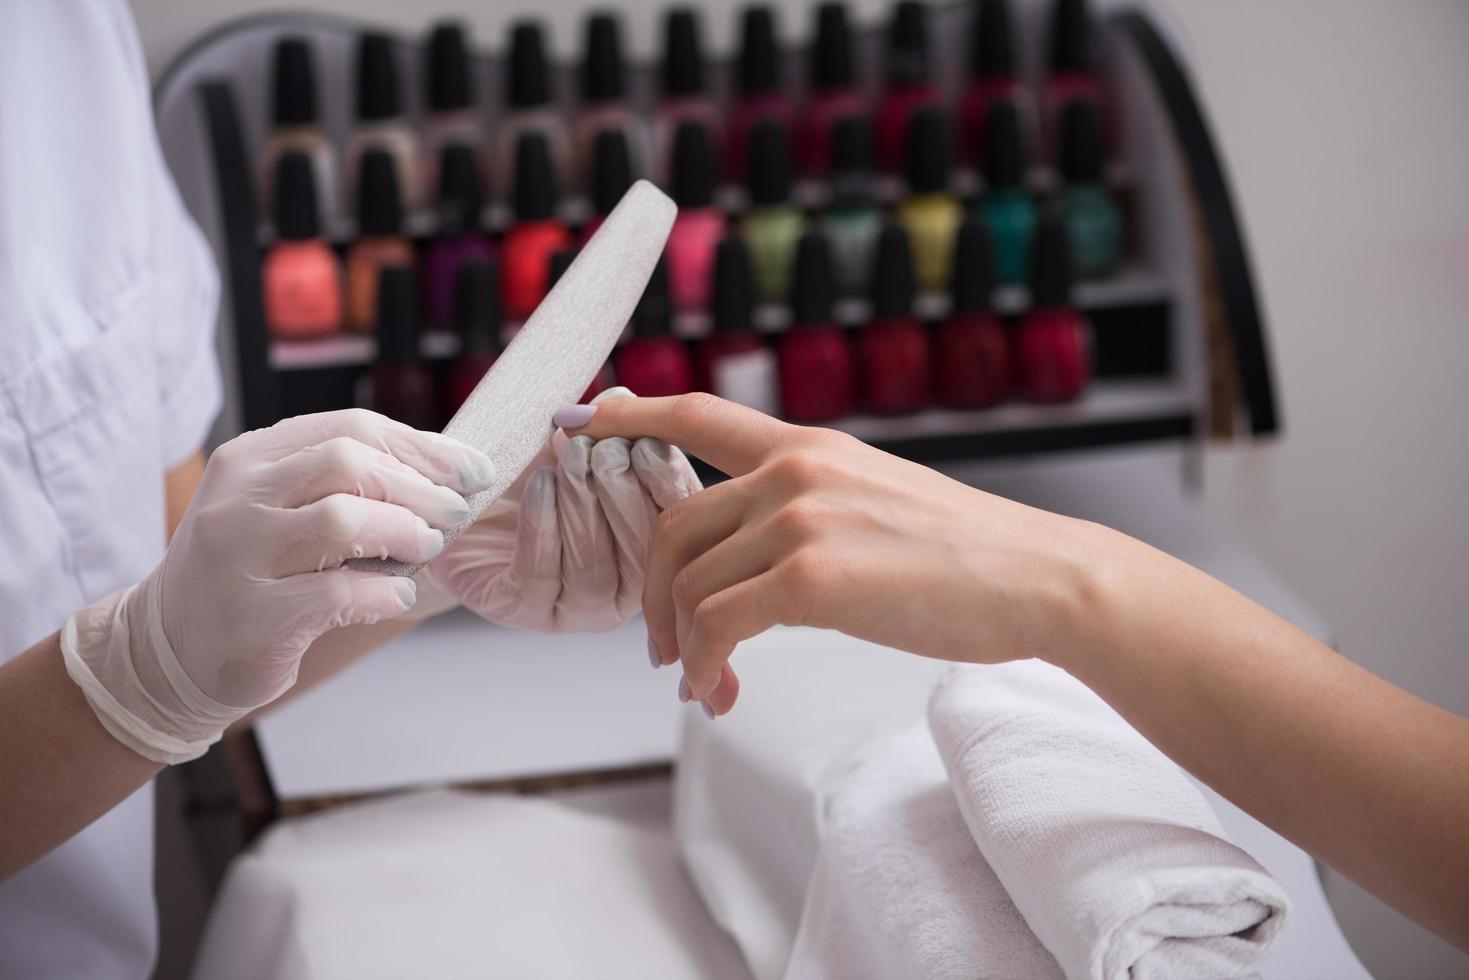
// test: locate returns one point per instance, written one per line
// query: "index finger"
(725, 435)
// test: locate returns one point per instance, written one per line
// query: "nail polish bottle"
(604, 101)
(611, 177)
(992, 76)
(449, 84)
(301, 278)
(296, 124)
(537, 233)
(734, 361)
(1071, 74)
(459, 236)
(685, 90)
(893, 348)
(971, 352)
(1005, 206)
(380, 240)
(402, 387)
(381, 123)
(1092, 218)
(760, 95)
(817, 379)
(477, 318)
(833, 94)
(699, 224)
(654, 363)
(773, 225)
(529, 107)
(930, 212)
(1053, 342)
(852, 220)
(909, 83)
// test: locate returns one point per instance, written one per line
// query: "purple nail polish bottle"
(460, 239)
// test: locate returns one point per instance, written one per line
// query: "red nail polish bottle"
(699, 225)
(910, 84)
(971, 352)
(1071, 75)
(734, 362)
(893, 349)
(477, 316)
(654, 362)
(537, 233)
(992, 76)
(833, 95)
(402, 387)
(301, 278)
(816, 374)
(761, 95)
(1053, 343)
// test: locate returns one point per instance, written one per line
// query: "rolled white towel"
(1115, 860)
(899, 889)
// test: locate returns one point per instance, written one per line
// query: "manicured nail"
(684, 694)
(477, 471)
(653, 657)
(430, 542)
(573, 416)
(708, 711)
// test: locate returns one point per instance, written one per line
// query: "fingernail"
(684, 694)
(477, 472)
(430, 542)
(407, 591)
(708, 711)
(573, 416)
(616, 391)
(653, 657)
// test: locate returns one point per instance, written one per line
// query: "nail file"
(558, 352)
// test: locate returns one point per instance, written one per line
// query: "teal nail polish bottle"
(1006, 207)
(852, 221)
(774, 225)
(1093, 221)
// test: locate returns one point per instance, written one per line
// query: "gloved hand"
(565, 549)
(252, 575)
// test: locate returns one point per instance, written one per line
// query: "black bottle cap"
(293, 83)
(770, 164)
(1071, 36)
(1004, 155)
(907, 48)
(611, 170)
(397, 314)
(653, 316)
(527, 74)
(477, 311)
(459, 196)
(1081, 143)
(295, 198)
(928, 151)
(535, 178)
(759, 52)
(379, 211)
(557, 265)
(602, 72)
(693, 166)
(1050, 262)
(991, 50)
(973, 275)
(734, 286)
(683, 54)
(892, 274)
(378, 96)
(832, 66)
(450, 85)
(811, 285)
(851, 157)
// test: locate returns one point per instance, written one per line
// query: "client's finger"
(726, 618)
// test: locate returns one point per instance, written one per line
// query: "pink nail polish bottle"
(817, 379)
(301, 278)
(604, 101)
(834, 94)
(699, 225)
(760, 95)
(381, 122)
(529, 108)
(538, 232)
(1053, 341)
(452, 118)
(297, 124)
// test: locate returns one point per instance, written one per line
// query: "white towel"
(1115, 860)
(899, 888)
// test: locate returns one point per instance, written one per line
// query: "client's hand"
(819, 529)
(565, 548)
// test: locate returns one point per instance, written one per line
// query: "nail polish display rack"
(1179, 339)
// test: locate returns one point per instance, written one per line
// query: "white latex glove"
(252, 575)
(565, 549)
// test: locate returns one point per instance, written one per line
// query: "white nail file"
(559, 351)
